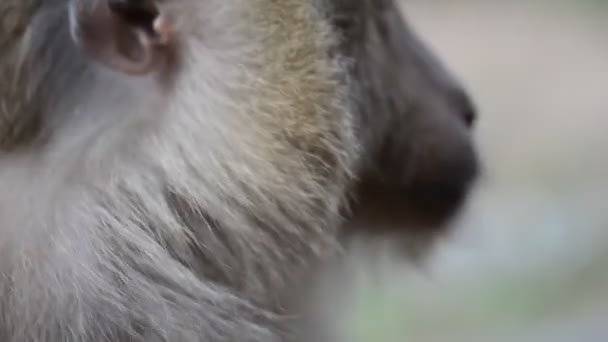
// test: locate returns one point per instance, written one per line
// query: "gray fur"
(183, 205)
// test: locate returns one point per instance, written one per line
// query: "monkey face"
(439, 154)
(417, 120)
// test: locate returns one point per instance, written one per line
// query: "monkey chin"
(413, 216)
(433, 205)
(422, 208)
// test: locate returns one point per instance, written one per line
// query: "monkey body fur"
(216, 181)
(179, 205)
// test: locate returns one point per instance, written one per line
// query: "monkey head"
(168, 168)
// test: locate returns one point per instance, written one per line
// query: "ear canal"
(136, 13)
(121, 34)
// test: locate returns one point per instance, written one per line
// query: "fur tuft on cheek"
(19, 115)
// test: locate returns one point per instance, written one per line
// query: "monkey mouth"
(436, 203)
(427, 204)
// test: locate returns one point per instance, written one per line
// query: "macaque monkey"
(169, 168)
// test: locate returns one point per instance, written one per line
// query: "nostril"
(469, 115)
(465, 108)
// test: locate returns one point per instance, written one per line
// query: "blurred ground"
(529, 261)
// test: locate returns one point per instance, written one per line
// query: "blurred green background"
(529, 260)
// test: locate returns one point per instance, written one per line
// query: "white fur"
(88, 228)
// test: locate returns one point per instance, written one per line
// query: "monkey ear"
(125, 35)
